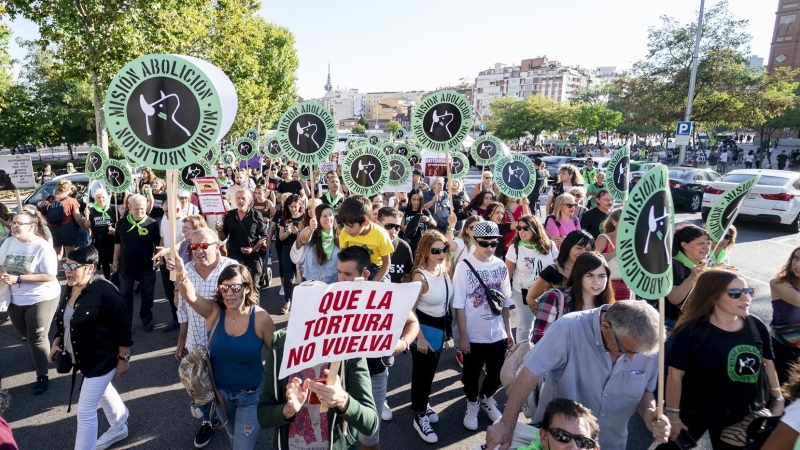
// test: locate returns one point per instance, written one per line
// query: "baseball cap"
(182, 193)
(417, 172)
(485, 229)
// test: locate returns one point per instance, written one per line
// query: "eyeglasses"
(439, 250)
(619, 345)
(565, 437)
(523, 228)
(737, 293)
(71, 266)
(488, 178)
(485, 244)
(570, 205)
(203, 245)
(19, 224)
(391, 226)
(233, 287)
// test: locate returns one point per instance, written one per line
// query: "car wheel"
(704, 215)
(696, 202)
(794, 226)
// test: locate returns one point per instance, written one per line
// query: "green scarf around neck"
(103, 212)
(142, 231)
(720, 257)
(685, 260)
(527, 245)
(327, 242)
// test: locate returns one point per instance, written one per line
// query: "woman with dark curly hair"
(239, 330)
(289, 226)
(785, 291)
(321, 239)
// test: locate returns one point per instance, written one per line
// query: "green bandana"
(142, 231)
(327, 242)
(525, 244)
(335, 201)
(685, 260)
(104, 212)
(722, 255)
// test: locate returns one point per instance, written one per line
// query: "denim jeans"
(98, 391)
(379, 383)
(242, 426)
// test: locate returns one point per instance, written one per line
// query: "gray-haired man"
(604, 358)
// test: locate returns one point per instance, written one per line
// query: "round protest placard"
(94, 163)
(165, 111)
(401, 149)
(399, 170)
(251, 134)
(486, 149)
(618, 174)
(212, 155)
(228, 158)
(388, 148)
(192, 171)
(117, 176)
(727, 207)
(400, 134)
(361, 142)
(442, 121)
(272, 149)
(373, 139)
(350, 143)
(304, 173)
(459, 165)
(514, 175)
(644, 239)
(246, 148)
(307, 133)
(366, 170)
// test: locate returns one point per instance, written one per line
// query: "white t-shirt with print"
(482, 326)
(24, 258)
(529, 263)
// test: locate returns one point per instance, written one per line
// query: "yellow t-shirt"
(376, 243)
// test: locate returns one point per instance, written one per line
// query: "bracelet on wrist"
(672, 410)
(778, 399)
(677, 421)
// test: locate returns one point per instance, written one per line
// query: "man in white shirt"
(723, 162)
(240, 182)
(485, 336)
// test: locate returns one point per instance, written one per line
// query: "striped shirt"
(206, 288)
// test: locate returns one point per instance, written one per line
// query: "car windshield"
(764, 181)
(553, 159)
(677, 174)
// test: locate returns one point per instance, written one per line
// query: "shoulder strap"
(553, 217)
(609, 240)
(476, 274)
(214, 328)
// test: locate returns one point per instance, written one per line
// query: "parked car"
(86, 186)
(599, 162)
(774, 199)
(533, 155)
(687, 186)
(552, 163)
(638, 168)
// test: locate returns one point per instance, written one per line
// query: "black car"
(687, 186)
(552, 164)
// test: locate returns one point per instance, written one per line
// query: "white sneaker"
(112, 436)
(196, 413)
(281, 292)
(489, 406)
(386, 413)
(471, 417)
(432, 416)
(423, 427)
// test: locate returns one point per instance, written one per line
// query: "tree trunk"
(69, 147)
(99, 114)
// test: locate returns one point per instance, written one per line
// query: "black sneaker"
(148, 324)
(41, 385)
(423, 427)
(204, 435)
(174, 325)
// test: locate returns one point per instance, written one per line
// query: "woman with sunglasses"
(239, 329)
(690, 248)
(321, 239)
(94, 333)
(464, 244)
(563, 221)
(568, 176)
(496, 213)
(29, 266)
(718, 354)
(580, 199)
(587, 287)
(477, 206)
(785, 292)
(529, 253)
(723, 249)
(486, 184)
(515, 208)
(418, 219)
(556, 274)
(431, 267)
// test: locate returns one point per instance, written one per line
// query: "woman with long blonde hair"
(564, 220)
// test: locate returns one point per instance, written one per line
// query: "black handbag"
(494, 298)
(64, 363)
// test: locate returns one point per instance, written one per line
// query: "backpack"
(53, 211)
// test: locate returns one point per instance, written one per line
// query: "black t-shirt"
(375, 366)
(592, 221)
(552, 275)
(243, 233)
(98, 224)
(782, 158)
(294, 187)
(281, 224)
(137, 250)
(334, 200)
(158, 205)
(721, 367)
(679, 274)
(402, 261)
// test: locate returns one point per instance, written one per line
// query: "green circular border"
(474, 152)
(498, 178)
(302, 176)
(439, 97)
(97, 174)
(376, 136)
(269, 153)
(362, 142)
(400, 134)
(233, 155)
(404, 161)
(253, 148)
(386, 144)
(413, 150)
(403, 144)
(331, 133)
(191, 188)
(215, 152)
(254, 131)
(464, 162)
(124, 169)
(618, 194)
(350, 143)
(117, 125)
(376, 188)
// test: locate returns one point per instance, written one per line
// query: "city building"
(756, 65)
(785, 48)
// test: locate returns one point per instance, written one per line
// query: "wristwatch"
(125, 358)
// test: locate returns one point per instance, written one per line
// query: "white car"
(774, 199)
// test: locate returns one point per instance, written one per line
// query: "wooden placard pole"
(19, 201)
(661, 336)
(172, 202)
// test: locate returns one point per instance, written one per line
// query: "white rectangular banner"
(345, 320)
(327, 166)
(16, 172)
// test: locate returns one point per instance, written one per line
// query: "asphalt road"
(160, 418)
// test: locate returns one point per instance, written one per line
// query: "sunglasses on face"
(737, 293)
(203, 246)
(523, 228)
(565, 437)
(233, 287)
(439, 250)
(485, 244)
(71, 266)
(391, 226)
(569, 205)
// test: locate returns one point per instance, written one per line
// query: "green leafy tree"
(773, 102)
(358, 129)
(393, 126)
(6, 80)
(513, 119)
(363, 122)
(17, 123)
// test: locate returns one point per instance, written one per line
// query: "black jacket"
(99, 326)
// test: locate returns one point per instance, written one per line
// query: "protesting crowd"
(581, 361)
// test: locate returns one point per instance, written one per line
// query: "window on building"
(790, 5)
(787, 27)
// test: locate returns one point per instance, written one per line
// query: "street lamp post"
(693, 79)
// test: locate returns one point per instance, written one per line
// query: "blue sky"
(423, 45)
